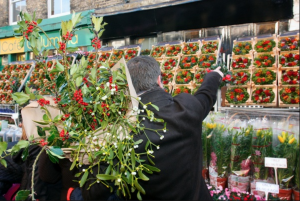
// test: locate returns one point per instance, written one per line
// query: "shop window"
(172, 36)
(20, 57)
(265, 28)
(15, 7)
(58, 8)
(4, 60)
(146, 42)
(116, 43)
(191, 34)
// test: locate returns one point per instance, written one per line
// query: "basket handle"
(238, 113)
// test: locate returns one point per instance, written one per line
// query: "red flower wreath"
(104, 57)
(199, 76)
(181, 89)
(188, 62)
(242, 48)
(173, 50)
(117, 55)
(289, 60)
(184, 77)
(264, 60)
(206, 60)
(145, 52)
(290, 77)
(170, 64)
(263, 95)
(265, 45)
(190, 48)
(26, 67)
(237, 95)
(240, 77)
(289, 43)
(91, 59)
(12, 67)
(289, 95)
(209, 47)
(263, 76)
(158, 51)
(167, 77)
(131, 53)
(111, 64)
(241, 63)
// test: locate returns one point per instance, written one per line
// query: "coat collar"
(157, 96)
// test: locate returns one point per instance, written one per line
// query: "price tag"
(270, 188)
(275, 162)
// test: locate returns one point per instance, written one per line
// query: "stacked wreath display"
(289, 60)
(170, 64)
(190, 48)
(263, 76)
(19, 68)
(158, 51)
(209, 47)
(145, 52)
(265, 45)
(184, 77)
(117, 55)
(237, 95)
(167, 77)
(131, 53)
(181, 89)
(199, 76)
(241, 63)
(104, 56)
(240, 77)
(5, 68)
(289, 43)
(91, 58)
(263, 95)
(290, 77)
(289, 95)
(188, 62)
(242, 48)
(173, 50)
(264, 60)
(26, 67)
(207, 60)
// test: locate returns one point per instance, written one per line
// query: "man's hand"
(218, 71)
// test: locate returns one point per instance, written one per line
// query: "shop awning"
(196, 15)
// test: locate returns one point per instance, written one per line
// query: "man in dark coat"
(179, 156)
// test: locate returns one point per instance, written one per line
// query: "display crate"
(170, 63)
(183, 76)
(242, 48)
(158, 51)
(291, 74)
(241, 62)
(288, 42)
(188, 62)
(239, 76)
(234, 99)
(260, 44)
(255, 91)
(288, 59)
(288, 91)
(105, 53)
(116, 55)
(256, 72)
(173, 49)
(211, 45)
(207, 60)
(192, 47)
(183, 88)
(264, 60)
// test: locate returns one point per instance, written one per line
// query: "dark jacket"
(180, 155)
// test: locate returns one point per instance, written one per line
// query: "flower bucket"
(285, 194)
(296, 194)
(222, 182)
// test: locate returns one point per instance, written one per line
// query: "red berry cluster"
(110, 79)
(86, 81)
(78, 97)
(96, 43)
(43, 102)
(65, 117)
(29, 28)
(56, 100)
(68, 36)
(62, 46)
(64, 135)
(43, 143)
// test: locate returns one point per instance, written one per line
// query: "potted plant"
(296, 190)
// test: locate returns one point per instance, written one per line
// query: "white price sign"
(275, 162)
(270, 188)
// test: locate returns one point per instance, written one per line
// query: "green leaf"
(23, 143)
(60, 80)
(39, 97)
(51, 138)
(155, 107)
(139, 187)
(74, 69)
(147, 144)
(142, 176)
(105, 177)
(40, 131)
(93, 73)
(33, 16)
(31, 96)
(3, 147)
(39, 21)
(52, 158)
(20, 97)
(41, 122)
(85, 90)
(3, 162)
(138, 195)
(58, 67)
(22, 194)
(149, 159)
(64, 27)
(25, 154)
(45, 117)
(76, 18)
(152, 168)
(79, 81)
(132, 159)
(139, 141)
(111, 155)
(72, 49)
(57, 118)
(27, 17)
(56, 151)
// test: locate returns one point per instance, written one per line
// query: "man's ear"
(159, 82)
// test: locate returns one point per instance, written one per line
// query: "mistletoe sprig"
(242, 48)
(237, 95)
(207, 60)
(289, 43)
(265, 45)
(263, 95)
(289, 95)
(190, 48)
(263, 76)
(264, 60)
(173, 50)
(290, 77)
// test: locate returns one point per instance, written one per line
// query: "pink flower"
(245, 165)
(256, 169)
(257, 153)
(213, 158)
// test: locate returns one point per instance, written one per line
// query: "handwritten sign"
(275, 162)
(266, 187)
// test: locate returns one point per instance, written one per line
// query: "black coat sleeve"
(207, 93)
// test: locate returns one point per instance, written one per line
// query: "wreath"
(111, 64)
(170, 64)
(289, 95)
(237, 95)
(265, 45)
(241, 63)
(19, 68)
(49, 64)
(190, 48)
(209, 47)
(181, 89)
(91, 58)
(199, 76)
(188, 62)
(242, 48)
(166, 88)
(173, 50)
(263, 95)
(26, 67)
(12, 67)
(290, 77)
(206, 60)
(117, 55)
(167, 77)
(263, 76)
(289, 60)
(158, 51)
(104, 57)
(131, 53)
(240, 77)
(289, 43)
(264, 60)
(145, 52)
(184, 77)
